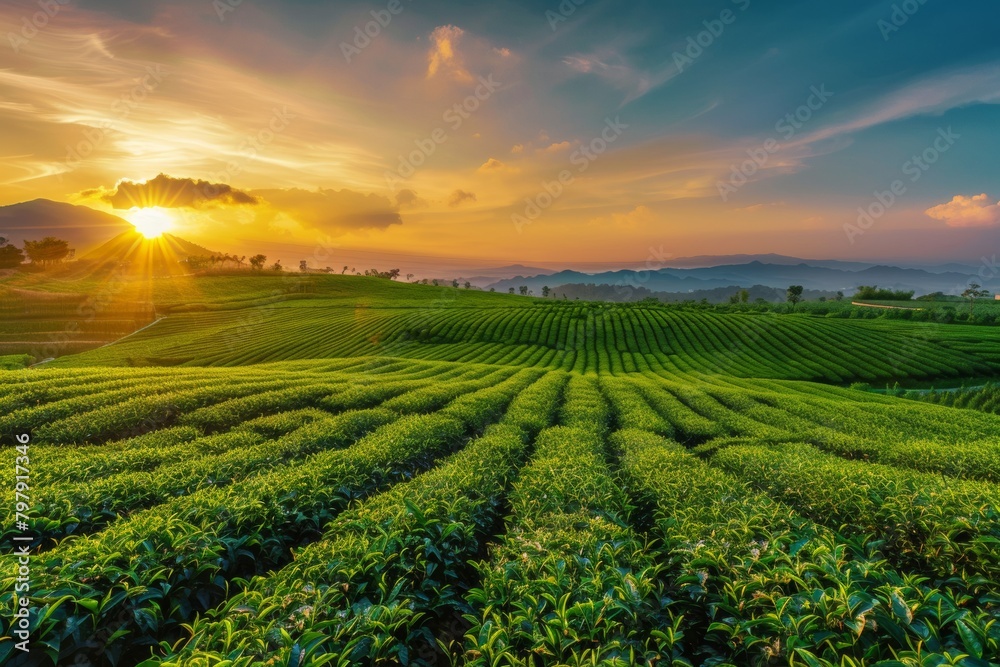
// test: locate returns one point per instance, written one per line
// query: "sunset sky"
(261, 122)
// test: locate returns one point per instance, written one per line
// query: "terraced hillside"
(379, 318)
(50, 324)
(353, 480)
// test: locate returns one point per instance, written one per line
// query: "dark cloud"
(407, 198)
(459, 197)
(168, 192)
(333, 209)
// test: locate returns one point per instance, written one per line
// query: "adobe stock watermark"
(223, 7)
(656, 260)
(562, 13)
(455, 116)
(32, 25)
(787, 127)
(94, 137)
(363, 35)
(898, 17)
(914, 168)
(989, 269)
(581, 158)
(250, 148)
(697, 44)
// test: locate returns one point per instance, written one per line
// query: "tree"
(510, 290)
(409, 277)
(257, 262)
(523, 289)
(391, 274)
(454, 283)
(744, 296)
(974, 292)
(734, 298)
(545, 290)
(47, 251)
(839, 297)
(277, 266)
(10, 255)
(467, 285)
(303, 267)
(344, 271)
(493, 289)
(873, 292)
(794, 294)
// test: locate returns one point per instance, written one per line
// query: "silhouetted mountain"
(754, 273)
(162, 255)
(629, 294)
(481, 277)
(84, 227)
(712, 261)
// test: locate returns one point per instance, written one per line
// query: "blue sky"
(666, 183)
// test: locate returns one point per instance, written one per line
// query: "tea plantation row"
(396, 511)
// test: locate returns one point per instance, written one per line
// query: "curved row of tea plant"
(584, 338)
(115, 584)
(387, 580)
(754, 582)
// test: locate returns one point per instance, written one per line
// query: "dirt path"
(874, 305)
(158, 319)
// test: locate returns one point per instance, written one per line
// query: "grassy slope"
(242, 319)
(348, 316)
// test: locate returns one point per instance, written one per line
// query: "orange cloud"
(556, 147)
(459, 197)
(332, 210)
(493, 166)
(640, 215)
(962, 211)
(444, 57)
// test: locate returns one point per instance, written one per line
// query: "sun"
(150, 222)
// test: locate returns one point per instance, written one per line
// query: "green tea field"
(340, 470)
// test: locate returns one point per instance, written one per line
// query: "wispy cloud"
(930, 95)
(615, 70)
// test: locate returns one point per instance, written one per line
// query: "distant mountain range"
(88, 231)
(630, 294)
(486, 276)
(812, 276)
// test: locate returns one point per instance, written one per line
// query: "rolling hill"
(349, 470)
(164, 255)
